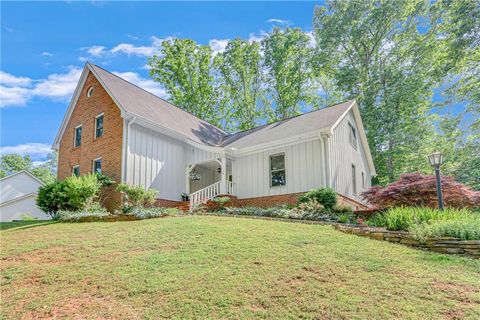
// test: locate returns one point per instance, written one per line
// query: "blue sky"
(45, 45)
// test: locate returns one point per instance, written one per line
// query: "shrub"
(149, 213)
(221, 201)
(137, 196)
(342, 209)
(324, 196)
(402, 218)
(416, 189)
(465, 228)
(311, 206)
(80, 216)
(72, 194)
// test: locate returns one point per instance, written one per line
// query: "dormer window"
(99, 125)
(352, 135)
(90, 92)
(77, 142)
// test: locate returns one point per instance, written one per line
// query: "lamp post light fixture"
(436, 160)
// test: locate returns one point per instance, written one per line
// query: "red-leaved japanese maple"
(415, 189)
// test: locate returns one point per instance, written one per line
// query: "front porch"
(209, 179)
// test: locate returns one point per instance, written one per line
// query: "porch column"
(326, 154)
(189, 169)
(223, 185)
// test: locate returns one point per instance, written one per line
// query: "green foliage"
(240, 78)
(343, 209)
(287, 55)
(73, 194)
(149, 213)
(325, 196)
(80, 216)
(464, 228)
(221, 201)
(11, 163)
(137, 196)
(424, 222)
(185, 69)
(27, 217)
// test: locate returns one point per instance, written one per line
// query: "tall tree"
(386, 55)
(185, 70)
(287, 53)
(12, 162)
(240, 76)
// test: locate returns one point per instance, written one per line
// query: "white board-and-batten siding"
(304, 170)
(157, 161)
(343, 155)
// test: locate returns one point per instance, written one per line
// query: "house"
(18, 192)
(114, 127)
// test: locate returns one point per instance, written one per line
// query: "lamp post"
(436, 160)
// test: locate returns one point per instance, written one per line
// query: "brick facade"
(108, 146)
(164, 203)
(283, 199)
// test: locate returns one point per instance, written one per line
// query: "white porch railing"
(203, 195)
(230, 187)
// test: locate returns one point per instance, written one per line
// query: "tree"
(184, 68)
(390, 56)
(287, 55)
(10, 163)
(240, 76)
(46, 172)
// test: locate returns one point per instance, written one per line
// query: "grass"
(23, 223)
(220, 267)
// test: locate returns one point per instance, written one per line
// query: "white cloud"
(217, 45)
(311, 38)
(16, 96)
(278, 21)
(35, 150)
(146, 84)
(254, 37)
(130, 49)
(46, 54)
(11, 80)
(58, 86)
(17, 91)
(96, 51)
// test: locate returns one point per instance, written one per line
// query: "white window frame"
(93, 164)
(73, 169)
(352, 138)
(270, 169)
(354, 178)
(95, 126)
(75, 136)
(90, 92)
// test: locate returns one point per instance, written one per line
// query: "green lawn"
(23, 223)
(212, 267)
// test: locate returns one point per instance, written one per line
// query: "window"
(99, 126)
(354, 179)
(352, 135)
(277, 170)
(90, 92)
(76, 170)
(78, 136)
(97, 165)
(363, 180)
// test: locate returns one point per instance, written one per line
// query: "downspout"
(127, 147)
(326, 153)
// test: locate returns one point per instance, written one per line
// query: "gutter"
(126, 147)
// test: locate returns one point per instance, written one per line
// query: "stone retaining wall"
(447, 245)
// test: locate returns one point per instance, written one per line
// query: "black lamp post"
(436, 160)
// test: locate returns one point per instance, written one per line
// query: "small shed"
(18, 192)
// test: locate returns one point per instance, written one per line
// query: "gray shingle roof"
(302, 124)
(148, 106)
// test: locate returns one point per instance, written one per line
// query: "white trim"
(332, 127)
(24, 171)
(75, 136)
(93, 164)
(71, 106)
(28, 195)
(73, 169)
(90, 91)
(95, 126)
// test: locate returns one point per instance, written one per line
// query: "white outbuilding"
(18, 192)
